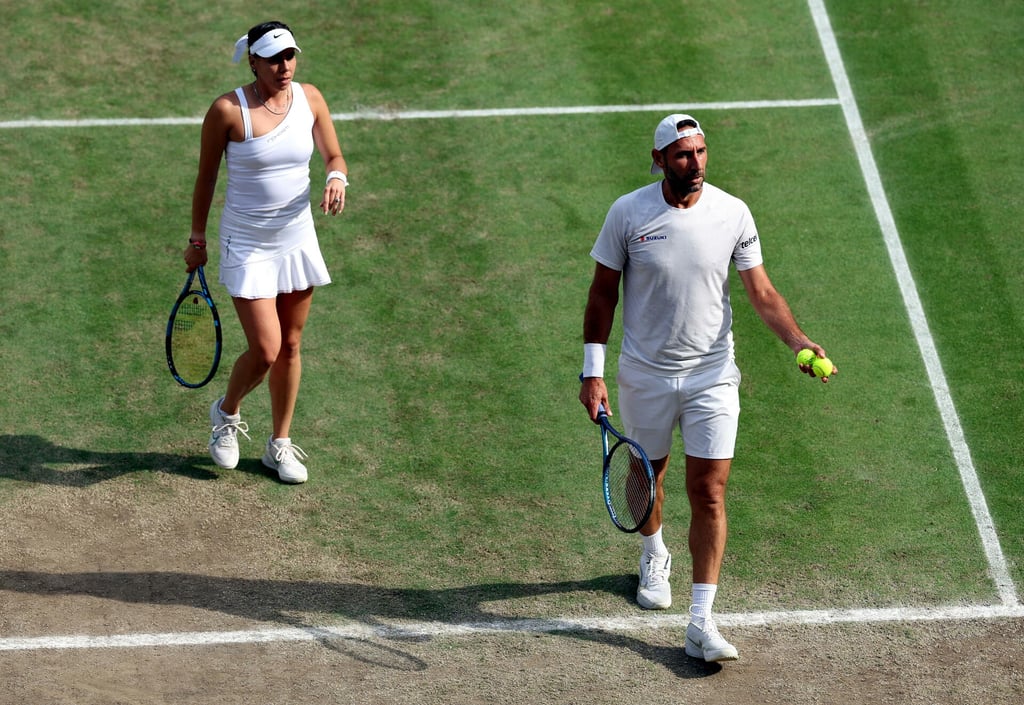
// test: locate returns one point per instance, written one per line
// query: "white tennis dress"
(268, 243)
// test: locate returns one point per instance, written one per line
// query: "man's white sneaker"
(706, 643)
(284, 457)
(224, 436)
(654, 591)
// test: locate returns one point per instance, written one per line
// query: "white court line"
(420, 630)
(961, 452)
(584, 109)
(438, 114)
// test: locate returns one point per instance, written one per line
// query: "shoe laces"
(657, 569)
(705, 624)
(287, 453)
(229, 430)
(711, 629)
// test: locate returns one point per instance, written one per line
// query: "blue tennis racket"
(628, 478)
(193, 334)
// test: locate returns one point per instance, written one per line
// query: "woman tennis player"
(270, 258)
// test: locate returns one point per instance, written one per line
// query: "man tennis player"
(671, 244)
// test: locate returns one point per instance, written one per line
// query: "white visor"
(270, 44)
(273, 43)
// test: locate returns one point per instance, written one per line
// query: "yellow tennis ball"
(805, 357)
(822, 367)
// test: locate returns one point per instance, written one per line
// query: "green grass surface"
(943, 106)
(440, 379)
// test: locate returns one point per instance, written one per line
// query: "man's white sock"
(703, 600)
(654, 544)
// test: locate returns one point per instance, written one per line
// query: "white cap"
(270, 44)
(669, 131)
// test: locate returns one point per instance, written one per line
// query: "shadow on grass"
(35, 459)
(281, 602)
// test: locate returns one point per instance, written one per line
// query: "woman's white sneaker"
(224, 436)
(285, 458)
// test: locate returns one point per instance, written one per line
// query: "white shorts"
(705, 405)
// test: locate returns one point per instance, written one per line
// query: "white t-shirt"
(675, 262)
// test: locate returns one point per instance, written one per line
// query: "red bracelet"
(198, 244)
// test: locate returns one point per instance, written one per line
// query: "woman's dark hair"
(261, 29)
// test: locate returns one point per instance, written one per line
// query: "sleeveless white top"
(268, 242)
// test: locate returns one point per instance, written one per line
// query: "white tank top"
(268, 176)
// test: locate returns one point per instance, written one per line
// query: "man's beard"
(683, 185)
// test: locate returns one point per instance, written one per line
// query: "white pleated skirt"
(259, 260)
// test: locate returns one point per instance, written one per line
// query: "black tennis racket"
(193, 334)
(628, 478)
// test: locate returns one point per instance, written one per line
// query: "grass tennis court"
(454, 477)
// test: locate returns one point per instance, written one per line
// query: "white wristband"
(593, 359)
(338, 175)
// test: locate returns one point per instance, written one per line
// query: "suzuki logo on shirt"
(652, 238)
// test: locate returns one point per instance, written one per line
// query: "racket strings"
(628, 484)
(190, 313)
(193, 342)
